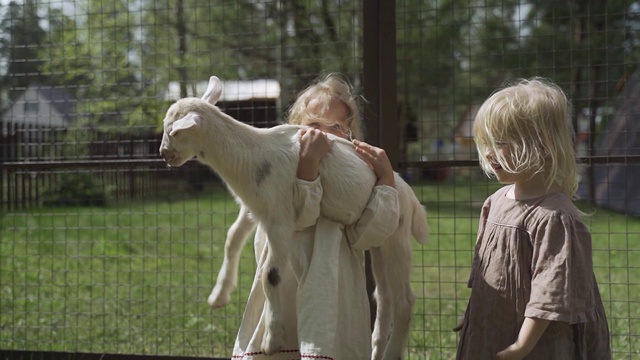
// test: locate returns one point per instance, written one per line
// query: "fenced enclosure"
(105, 250)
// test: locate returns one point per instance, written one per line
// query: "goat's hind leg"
(279, 237)
(403, 299)
(228, 275)
(384, 307)
(403, 304)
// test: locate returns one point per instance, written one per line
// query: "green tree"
(20, 37)
(96, 57)
(116, 88)
(66, 57)
(462, 50)
(586, 39)
(119, 56)
(291, 41)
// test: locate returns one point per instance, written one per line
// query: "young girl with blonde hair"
(325, 303)
(533, 290)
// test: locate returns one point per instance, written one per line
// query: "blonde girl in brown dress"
(533, 290)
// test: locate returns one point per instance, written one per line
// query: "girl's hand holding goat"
(314, 145)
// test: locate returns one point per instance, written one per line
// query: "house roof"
(60, 99)
(56, 108)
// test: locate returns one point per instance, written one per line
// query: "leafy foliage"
(77, 189)
(117, 57)
(20, 37)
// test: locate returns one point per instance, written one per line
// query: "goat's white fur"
(259, 166)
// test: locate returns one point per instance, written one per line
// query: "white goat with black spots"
(259, 168)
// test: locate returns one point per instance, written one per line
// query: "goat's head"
(181, 125)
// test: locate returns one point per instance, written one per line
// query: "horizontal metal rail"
(128, 163)
(621, 159)
(111, 163)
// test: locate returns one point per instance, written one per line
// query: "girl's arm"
(314, 145)
(530, 332)
(380, 218)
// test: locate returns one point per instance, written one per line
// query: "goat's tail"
(419, 224)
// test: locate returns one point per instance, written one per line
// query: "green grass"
(129, 279)
(134, 278)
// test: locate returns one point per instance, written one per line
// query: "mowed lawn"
(134, 278)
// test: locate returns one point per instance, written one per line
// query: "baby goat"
(259, 167)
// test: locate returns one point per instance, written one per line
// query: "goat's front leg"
(279, 239)
(228, 275)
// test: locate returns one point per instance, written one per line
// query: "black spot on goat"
(263, 171)
(273, 277)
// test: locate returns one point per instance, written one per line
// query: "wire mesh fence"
(103, 249)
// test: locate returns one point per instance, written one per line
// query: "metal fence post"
(379, 89)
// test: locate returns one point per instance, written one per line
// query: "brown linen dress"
(533, 259)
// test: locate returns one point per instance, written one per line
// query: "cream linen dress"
(325, 302)
(533, 259)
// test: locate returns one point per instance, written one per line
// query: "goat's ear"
(190, 121)
(214, 90)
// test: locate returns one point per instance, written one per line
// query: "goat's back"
(347, 183)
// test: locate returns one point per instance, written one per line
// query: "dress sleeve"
(378, 220)
(306, 202)
(562, 284)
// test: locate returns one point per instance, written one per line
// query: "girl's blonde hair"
(333, 86)
(533, 118)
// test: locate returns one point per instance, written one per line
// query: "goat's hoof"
(218, 298)
(376, 354)
(272, 341)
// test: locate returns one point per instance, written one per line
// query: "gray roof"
(60, 99)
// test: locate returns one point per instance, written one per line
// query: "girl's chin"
(503, 177)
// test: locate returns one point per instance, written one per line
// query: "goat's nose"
(165, 153)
